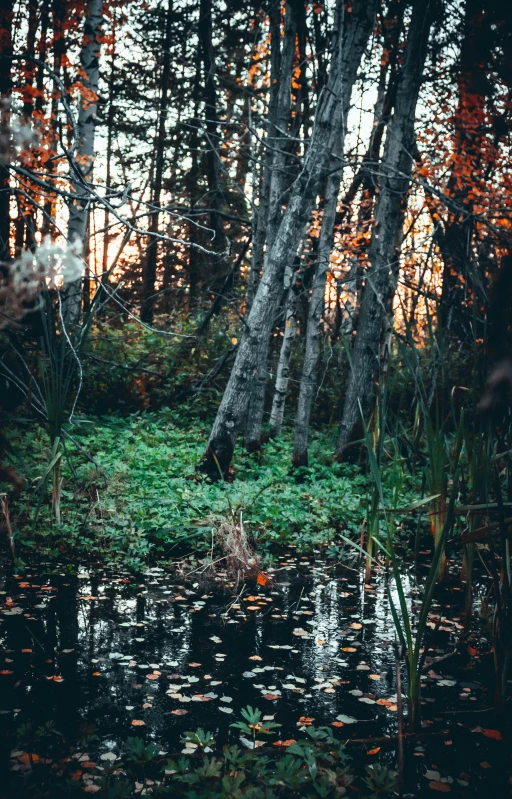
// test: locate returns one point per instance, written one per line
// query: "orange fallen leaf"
(96, 674)
(138, 723)
(252, 607)
(179, 712)
(262, 579)
(56, 678)
(5, 671)
(306, 720)
(289, 742)
(26, 650)
(270, 696)
(374, 751)
(255, 657)
(349, 649)
(153, 676)
(496, 734)
(355, 625)
(442, 787)
(27, 758)
(485, 764)
(337, 724)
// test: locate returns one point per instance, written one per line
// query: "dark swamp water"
(177, 653)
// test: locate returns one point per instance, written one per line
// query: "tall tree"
(83, 169)
(6, 51)
(279, 146)
(328, 121)
(149, 274)
(364, 179)
(384, 253)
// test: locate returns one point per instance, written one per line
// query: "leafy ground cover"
(137, 491)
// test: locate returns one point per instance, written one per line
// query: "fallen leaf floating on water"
(374, 751)
(138, 723)
(441, 787)
(495, 734)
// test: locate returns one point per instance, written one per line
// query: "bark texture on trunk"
(285, 355)
(278, 150)
(384, 252)
(471, 144)
(79, 208)
(329, 219)
(6, 14)
(149, 273)
(253, 348)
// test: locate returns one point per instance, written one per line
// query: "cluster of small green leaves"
(316, 765)
(140, 494)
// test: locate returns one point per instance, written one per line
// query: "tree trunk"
(149, 273)
(285, 354)
(384, 251)
(471, 145)
(278, 149)
(329, 219)
(79, 207)
(213, 161)
(6, 16)
(253, 349)
(110, 136)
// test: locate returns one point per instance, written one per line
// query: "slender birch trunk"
(285, 355)
(6, 50)
(79, 208)
(278, 149)
(253, 348)
(149, 275)
(213, 160)
(316, 306)
(382, 276)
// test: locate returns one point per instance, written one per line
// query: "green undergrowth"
(316, 766)
(142, 499)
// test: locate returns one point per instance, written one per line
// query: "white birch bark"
(79, 207)
(285, 354)
(384, 251)
(278, 180)
(253, 348)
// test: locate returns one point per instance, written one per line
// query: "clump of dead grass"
(230, 536)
